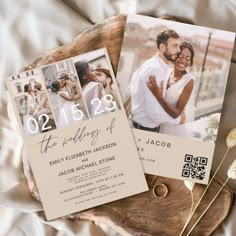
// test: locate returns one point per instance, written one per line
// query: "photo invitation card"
(172, 77)
(78, 140)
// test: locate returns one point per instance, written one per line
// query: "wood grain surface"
(145, 214)
(142, 214)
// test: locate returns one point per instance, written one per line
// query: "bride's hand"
(154, 88)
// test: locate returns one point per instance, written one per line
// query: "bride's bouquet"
(28, 109)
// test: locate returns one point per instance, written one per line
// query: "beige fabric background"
(29, 28)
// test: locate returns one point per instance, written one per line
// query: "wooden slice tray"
(143, 214)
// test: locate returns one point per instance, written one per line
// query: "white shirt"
(146, 109)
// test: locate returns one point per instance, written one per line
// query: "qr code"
(194, 167)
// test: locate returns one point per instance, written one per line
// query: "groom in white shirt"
(147, 112)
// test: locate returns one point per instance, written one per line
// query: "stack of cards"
(172, 79)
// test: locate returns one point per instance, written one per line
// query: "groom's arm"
(42, 101)
(154, 109)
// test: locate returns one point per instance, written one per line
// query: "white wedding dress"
(172, 96)
(68, 111)
(29, 125)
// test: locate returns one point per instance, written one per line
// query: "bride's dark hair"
(82, 68)
(188, 45)
(55, 87)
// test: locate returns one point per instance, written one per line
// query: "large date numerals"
(109, 104)
(70, 114)
(34, 129)
(75, 112)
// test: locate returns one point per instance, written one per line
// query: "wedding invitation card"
(75, 130)
(172, 77)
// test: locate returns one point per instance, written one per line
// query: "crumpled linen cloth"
(29, 28)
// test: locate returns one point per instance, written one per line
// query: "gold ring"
(160, 190)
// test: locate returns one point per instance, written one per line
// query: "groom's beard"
(169, 56)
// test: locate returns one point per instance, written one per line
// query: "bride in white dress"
(29, 106)
(68, 110)
(179, 93)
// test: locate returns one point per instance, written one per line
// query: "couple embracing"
(35, 108)
(69, 101)
(161, 96)
(97, 86)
